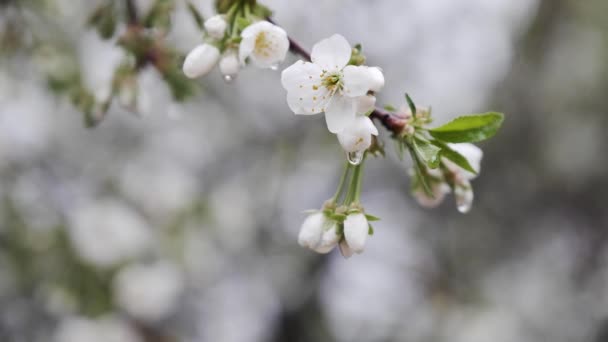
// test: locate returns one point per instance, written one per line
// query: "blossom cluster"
(231, 46)
(334, 80)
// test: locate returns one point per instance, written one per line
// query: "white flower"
(439, 189)
(356, 230)
(357, 135)
(264, 44)
(106, 329)
(229, 64)
(318, 233)
(148, 292)
(216, 26)
(201, 60)
(106, 233)
(327, 84)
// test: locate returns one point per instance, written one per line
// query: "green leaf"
(428, 152)
(470, 128)
(457, 158)
(371, 218)
(421, 173)
(411, 104)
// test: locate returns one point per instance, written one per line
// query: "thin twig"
(131, 12)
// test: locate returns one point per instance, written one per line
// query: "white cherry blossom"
(264, 44)
(328, 84)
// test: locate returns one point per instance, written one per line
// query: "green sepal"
(242, 22)
(370, 230)
(411, 104)
(470, 128)
(428, 152)
(420, 172)
(337, 217)
(371, 218)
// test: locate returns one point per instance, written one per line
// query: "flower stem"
(339, 191)
(359, 181)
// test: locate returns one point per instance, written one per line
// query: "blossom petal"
(357, 136)
(345, 249)
(340, 113)
(332, 53)
(357, 81)
(356, 230)
(305, 94)
(311, 230)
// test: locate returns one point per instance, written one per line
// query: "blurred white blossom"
(148, 292)
(107, 232)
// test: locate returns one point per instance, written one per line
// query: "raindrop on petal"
(355, 158)
(228, 78)
(274, 67)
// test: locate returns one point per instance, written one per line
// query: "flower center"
(262, 45)
(333, 82)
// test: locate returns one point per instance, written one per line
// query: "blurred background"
(178, 221)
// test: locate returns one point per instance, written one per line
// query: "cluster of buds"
(342, 220)
(235, 38)
(451, 177)
(347, 228)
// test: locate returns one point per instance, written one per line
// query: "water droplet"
(228, 78)
(463, 207)
(274, 67)
(464, 199)
(355, 158)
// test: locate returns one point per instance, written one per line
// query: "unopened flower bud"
(356, 230)
(345, 249)
(329, 239)
(216, 26)
(201, 60)
(229, 64)
(311, 231)
(439, 189)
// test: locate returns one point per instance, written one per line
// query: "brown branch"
(131, 12)
(392, 122)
